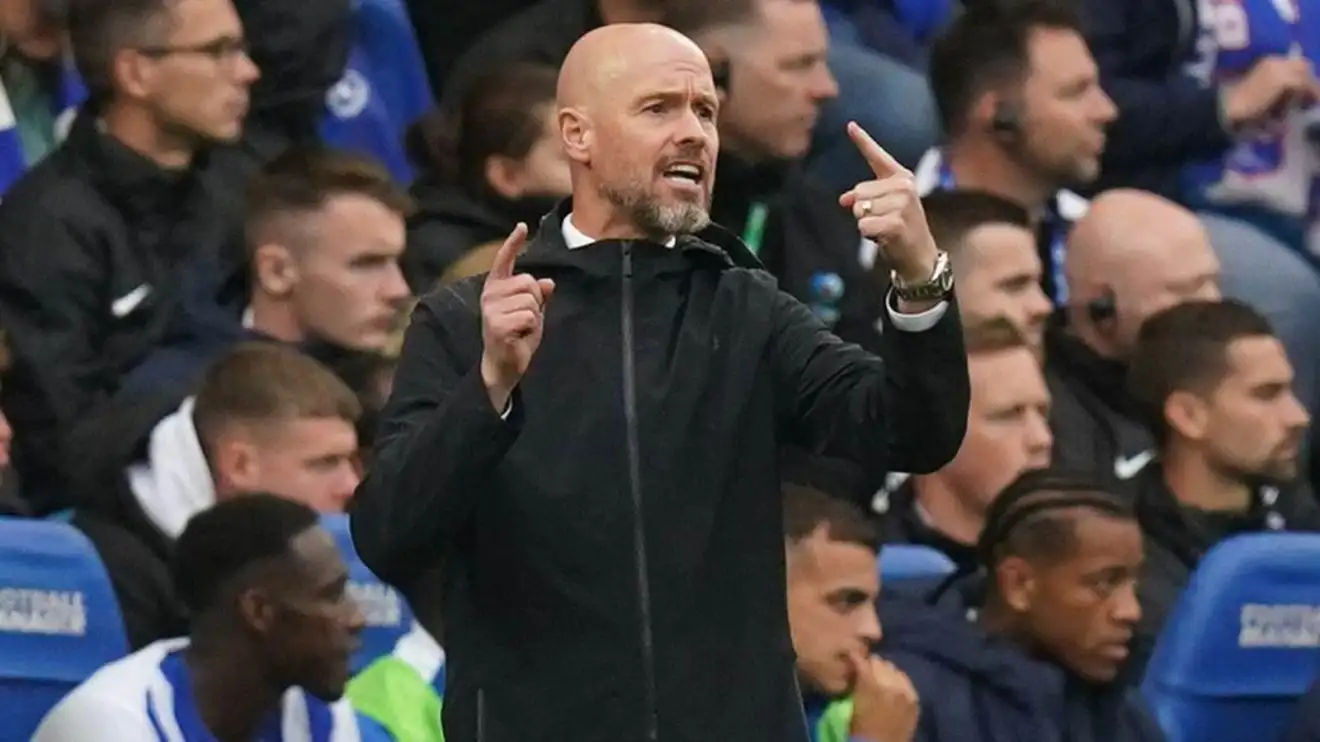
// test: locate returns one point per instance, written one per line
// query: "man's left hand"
(888, 211)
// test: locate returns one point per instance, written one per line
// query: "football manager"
(586, 437)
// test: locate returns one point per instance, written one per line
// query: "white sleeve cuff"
(915, 322)
(508, 407)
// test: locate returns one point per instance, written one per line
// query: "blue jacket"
(1306, 721)
(978, 688)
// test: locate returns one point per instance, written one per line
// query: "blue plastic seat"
(1243, 642)
(59, 619)
(902, 562)
(387, 613)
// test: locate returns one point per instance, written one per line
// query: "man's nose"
(824, 87)
(395, 288)
(354, 620)
(1106, 111)
(869, 630)
(1040, 440)
(1127, 608)
(1038, 304)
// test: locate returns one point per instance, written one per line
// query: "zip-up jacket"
(613, 548)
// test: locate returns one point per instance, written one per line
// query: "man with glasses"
(124, 237)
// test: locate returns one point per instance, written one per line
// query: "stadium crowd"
(216, 217)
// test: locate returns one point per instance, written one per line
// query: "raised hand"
(512, 317)
(885, 705)
(888, 211)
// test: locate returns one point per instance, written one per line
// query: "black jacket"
(977, 687)
(807, 237)
(902, 524)
(615, 548)
(1176, 537)
(1097, 429)
(103, 255)
(449, 222)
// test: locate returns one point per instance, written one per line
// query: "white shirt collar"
(574, 238)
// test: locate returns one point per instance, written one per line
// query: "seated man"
(1035, 652)
(325, 231)
(1007, 433)
(267, 653)
(996, 267)
(1216, 387)
(849, 694)
(1118, 276)
(125, 233)
(265, 419)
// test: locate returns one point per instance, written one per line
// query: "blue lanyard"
(1058, 250)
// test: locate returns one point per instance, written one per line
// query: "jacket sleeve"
(907, 412)
(1169, 119)
(48, 299)
(439, 443)
(1305, 725)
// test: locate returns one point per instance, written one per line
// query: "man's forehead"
(677, 78)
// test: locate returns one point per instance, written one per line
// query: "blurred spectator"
(833, 586)
(1040, 653)
(37, 86)
(489, 163)
(1306, 720)
(995, 262)
(265, 419)
(445, 32)
(267, 656)
(1216, 387)
(1150, 53)
(302, 49)
(325, 230)
(1007, 434)
(12, 502)
(1119, 275)
(1022, 108)
(404, 690)
(777, 79)
(119, 237)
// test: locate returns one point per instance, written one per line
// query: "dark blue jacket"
(1166, 118)
(978, 688)
(1306, 721)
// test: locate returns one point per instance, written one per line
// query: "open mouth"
(684, 174)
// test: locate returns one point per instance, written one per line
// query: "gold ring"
(866, 207)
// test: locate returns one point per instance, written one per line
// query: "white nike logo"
(1128, 467)
(121, 307)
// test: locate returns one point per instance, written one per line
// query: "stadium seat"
(383, 91)
(902, 562)
(1243, 641)
(59, 620)
(387, 613)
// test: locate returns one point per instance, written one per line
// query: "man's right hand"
(885, 705)
(1273, 84)
(512, 317)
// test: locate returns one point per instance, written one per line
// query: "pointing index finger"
(882, 163)
(502, 266)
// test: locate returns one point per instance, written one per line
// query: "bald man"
(1132, 255)
(588, 439)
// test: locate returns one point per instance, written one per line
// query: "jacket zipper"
(635, 486)
(481, 715)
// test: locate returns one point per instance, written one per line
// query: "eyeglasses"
(223, 50)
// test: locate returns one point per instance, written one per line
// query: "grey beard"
(655, 219)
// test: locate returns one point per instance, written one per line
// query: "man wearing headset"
(1118, 276)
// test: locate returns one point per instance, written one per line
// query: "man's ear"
(235, 466)
(1016, 583)
(1187, 414)
(274, 269)
(256, 610)
(575, 131)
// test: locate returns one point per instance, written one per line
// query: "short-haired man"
(831, 547)
(1118, 276)
(1020, 99)
(124, 234)
(267, 653)
(993, 248)
(265, 418)
(1035, 649)
(1215, 385)
(325, 231)
(1007, 433)
(1020, 102)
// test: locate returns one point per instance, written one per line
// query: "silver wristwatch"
(938, 286)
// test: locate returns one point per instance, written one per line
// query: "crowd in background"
(216, 216)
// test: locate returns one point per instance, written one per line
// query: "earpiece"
(1103, 308)
(1007, 119)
